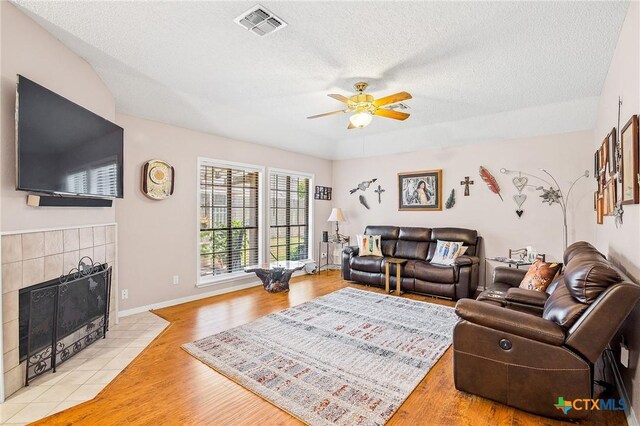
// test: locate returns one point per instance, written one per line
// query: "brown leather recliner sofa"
(528, 360)
(418, 275)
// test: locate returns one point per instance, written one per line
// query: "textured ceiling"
(477, 71)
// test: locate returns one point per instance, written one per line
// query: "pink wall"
(621, 244)
(29, 50)
(566, 156)
(157, 239)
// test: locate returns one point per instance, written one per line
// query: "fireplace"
(60, 317)
(34, 257)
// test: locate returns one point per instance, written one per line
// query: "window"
(289, 216)
(229, 202)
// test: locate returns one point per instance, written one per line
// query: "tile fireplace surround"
(32, 257)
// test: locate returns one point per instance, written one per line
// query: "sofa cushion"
(447, 252)
(366, 263)
(414, 234)
(425, 271)
(540, 275)
(587, 275)
(385, 232)
(436, 289)
(416, 250)
(562, 308)
(469, 237)
(369, 245)
(407, 269)
(371, 278)
(580, 247)
(388, 236)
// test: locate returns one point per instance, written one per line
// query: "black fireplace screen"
(61, 317)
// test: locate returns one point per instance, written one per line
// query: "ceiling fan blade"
(396, 115)
(342, 111)
(340, 98)
(351, 126)
(392, 99)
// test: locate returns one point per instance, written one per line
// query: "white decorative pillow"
(369, 245)
(447, 251)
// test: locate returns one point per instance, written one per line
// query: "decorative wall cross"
(466, 182)
(379, 191)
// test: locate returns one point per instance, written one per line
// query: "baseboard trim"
(632, 420)
(194, 297)
(186, 299)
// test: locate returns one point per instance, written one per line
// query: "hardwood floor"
(167, 386)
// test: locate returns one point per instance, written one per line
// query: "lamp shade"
(336, 215)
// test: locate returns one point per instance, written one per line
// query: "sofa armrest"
(347, 253)
(466, 260)
(351, 250)
(509, 321)
(509, 276)
(526, 297)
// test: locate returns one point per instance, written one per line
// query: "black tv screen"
(64, 148)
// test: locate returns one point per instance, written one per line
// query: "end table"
(398, 263)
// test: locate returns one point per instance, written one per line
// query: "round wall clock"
(157, 179)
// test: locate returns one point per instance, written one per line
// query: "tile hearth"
(86, 374)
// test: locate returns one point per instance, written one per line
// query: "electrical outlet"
(323, 255)
(624, 355)
(125, 294)
(176, 280)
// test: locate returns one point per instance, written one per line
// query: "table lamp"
(337, 217)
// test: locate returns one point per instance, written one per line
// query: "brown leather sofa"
(528, 360)
(418, 275)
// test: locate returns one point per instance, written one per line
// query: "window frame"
(311, 177)
(205, 161)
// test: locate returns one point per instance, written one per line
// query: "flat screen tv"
(63, 148)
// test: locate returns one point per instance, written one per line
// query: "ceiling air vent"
(260, 21)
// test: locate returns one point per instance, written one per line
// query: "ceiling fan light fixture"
(361, 119)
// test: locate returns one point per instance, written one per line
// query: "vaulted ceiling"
(477, 70)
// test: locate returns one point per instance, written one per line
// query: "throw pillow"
(540, 275)
(369, 245)
(447, 252)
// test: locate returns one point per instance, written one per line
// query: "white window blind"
(229, 219)
(103, 180)
(289, 216)
(78, 183)
(94, 179)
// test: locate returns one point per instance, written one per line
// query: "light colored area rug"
(348, 358)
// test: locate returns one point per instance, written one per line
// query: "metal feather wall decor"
(491, 182)
(451, 201)
(363, 201)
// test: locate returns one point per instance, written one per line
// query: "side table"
(328, 245)
(504, 261)
(398, 263)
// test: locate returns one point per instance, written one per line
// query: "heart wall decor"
(520, 182)
(520, 199)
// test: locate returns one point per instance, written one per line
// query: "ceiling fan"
(364, 106)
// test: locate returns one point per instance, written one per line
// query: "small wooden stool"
(398, 263)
